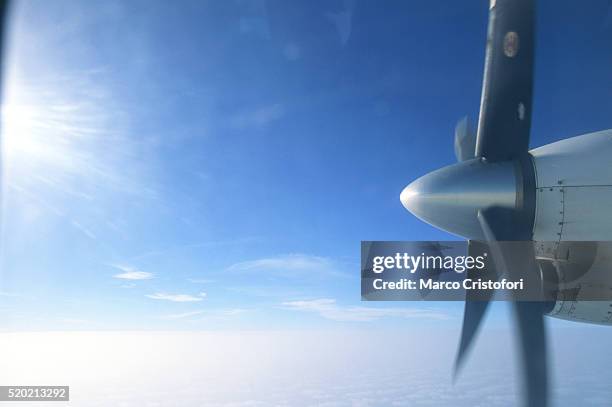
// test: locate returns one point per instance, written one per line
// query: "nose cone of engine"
(449, 198)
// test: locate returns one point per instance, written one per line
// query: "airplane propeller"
(489, 195)
(3, 12)
(503, 135)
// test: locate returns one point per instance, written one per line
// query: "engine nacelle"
(574, 189)
(573, 224)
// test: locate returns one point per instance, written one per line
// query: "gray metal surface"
(449, 198)
(584, 270)
(574, 189)
(577, 161)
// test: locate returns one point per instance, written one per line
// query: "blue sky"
(212, 166)
(215, 165)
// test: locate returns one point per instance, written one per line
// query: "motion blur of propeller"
(503, 134)
(3, 12)
(436, 249)
(476, 303)
(518, 260)
(489, 195)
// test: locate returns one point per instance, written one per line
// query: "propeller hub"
(449, 198)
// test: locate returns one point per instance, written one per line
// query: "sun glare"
(47, 132)
(20, 136)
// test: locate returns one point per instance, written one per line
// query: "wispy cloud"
(329, 309)
(180, 248)
(83, 229)
(183, 315)
(289, 265)
(207, 314)
(8, 294)
(258, 117)
(78, 111)
(200, 280)
(130, 273)
(177, 297)
(74, 321)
